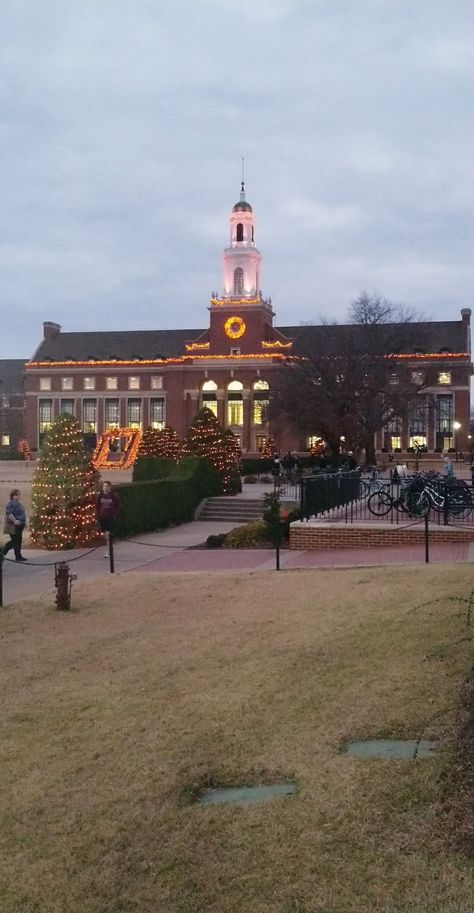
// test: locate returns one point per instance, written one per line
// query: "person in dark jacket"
(108, 509)
(15, 522)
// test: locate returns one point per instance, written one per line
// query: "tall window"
(418, 424)
(260, 402)
(89, 416)
(444, 421)
(393, 433)
(157, 412)
(238, 281)
(67, 405)
(209, 396)
(112, 413)
(240, 232)
(134, 413)
(45, 417)
(235, 403)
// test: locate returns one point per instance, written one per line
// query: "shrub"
(216, 541)
(271, 516)
(267, 480)
(234, 486)
(251, 534)
(155, 504)
(250, 480)
(151, 467)
(254, 466)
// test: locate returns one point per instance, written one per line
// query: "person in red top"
(108, 509)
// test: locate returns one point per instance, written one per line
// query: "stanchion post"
(1, 580)
(427, 540)
(111, 554)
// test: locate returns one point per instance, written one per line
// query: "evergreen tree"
(149, 443)
(206, 438)
(168, 444)
(63, 490)
(268, 448)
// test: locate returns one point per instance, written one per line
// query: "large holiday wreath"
(234, 327)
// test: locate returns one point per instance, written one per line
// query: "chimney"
(466, 316)
(51, 329)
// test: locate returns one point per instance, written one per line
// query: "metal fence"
(349, 499)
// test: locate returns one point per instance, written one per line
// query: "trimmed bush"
(216, 541)
(150, 467)
(250, 480)
(146, 506)
(247, 536)
(252, 467)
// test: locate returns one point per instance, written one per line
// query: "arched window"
(235, 403)
(240, 232)
(238, 281)
(209, 395)
(260, 402)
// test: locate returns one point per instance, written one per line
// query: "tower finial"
(242, 184)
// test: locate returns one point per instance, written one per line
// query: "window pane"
(133, 383)
(444, 377)
(134, 413)
(5, 440)
(45, 416)
(45, 383)
(157, 413)
(89, 383)
(209, 400)
(112, 413)
(111, 383)
(89, 416)
(67, 383)
(157, 382)
(67, 405)
(235, 412)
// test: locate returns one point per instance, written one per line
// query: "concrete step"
(238, 511)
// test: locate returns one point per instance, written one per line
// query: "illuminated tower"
(241, 259)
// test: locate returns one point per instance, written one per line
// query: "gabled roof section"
(115, 345)
(419, 338)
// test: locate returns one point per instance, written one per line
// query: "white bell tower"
(241, 260)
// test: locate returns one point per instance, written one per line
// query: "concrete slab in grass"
(392, 749)
(242, 795)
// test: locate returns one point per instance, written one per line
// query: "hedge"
(146, 506)
(151, 467)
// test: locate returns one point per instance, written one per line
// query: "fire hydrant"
(63, 582)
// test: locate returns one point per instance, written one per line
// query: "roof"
(242, 206)
(127, 345)
(11, 376)
(421, 337)
(120, 345)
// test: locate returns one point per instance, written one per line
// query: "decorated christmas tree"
(268, 448)
(206, 438)
(149, 443)
(63, 490)
(168, 444)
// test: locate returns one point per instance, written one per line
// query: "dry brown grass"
(114, 713)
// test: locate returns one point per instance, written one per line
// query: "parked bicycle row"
(419, 494)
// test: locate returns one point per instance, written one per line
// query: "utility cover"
(241, 795)
(392, 748)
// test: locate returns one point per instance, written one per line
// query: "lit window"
(111, 383)
(134, 413)
(45, 383)
(314, 442)
(260, 441)
(235, 404)
(209, 396)
(5, 440)
(67, 383)
(418, 440)
(395, 442)
(157, 413)
(133, 383)
(89, 383)
(394, 379)
(417, 377)
(157, 382)
(260, 402)
(444, 377)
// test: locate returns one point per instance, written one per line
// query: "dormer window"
(240, 232)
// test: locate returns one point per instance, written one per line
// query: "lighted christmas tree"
(268, 448)
(64, 489)
(149, 443)
(168, 444)
(206, 438)
(231, 475)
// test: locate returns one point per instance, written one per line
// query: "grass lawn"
(114, 714)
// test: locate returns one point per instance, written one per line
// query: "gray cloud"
(122, 126)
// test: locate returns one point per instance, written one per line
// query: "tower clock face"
(234, 327)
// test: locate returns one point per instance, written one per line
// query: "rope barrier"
(29, 563)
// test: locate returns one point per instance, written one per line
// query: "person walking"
(15, 522)
(108, 509)
(448, 470)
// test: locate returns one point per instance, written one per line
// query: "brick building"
(138, 378)
(12, 404)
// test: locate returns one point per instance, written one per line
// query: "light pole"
(456, 428)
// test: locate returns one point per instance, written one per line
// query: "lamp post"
(456, 428)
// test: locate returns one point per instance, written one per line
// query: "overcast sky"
(123, 123)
